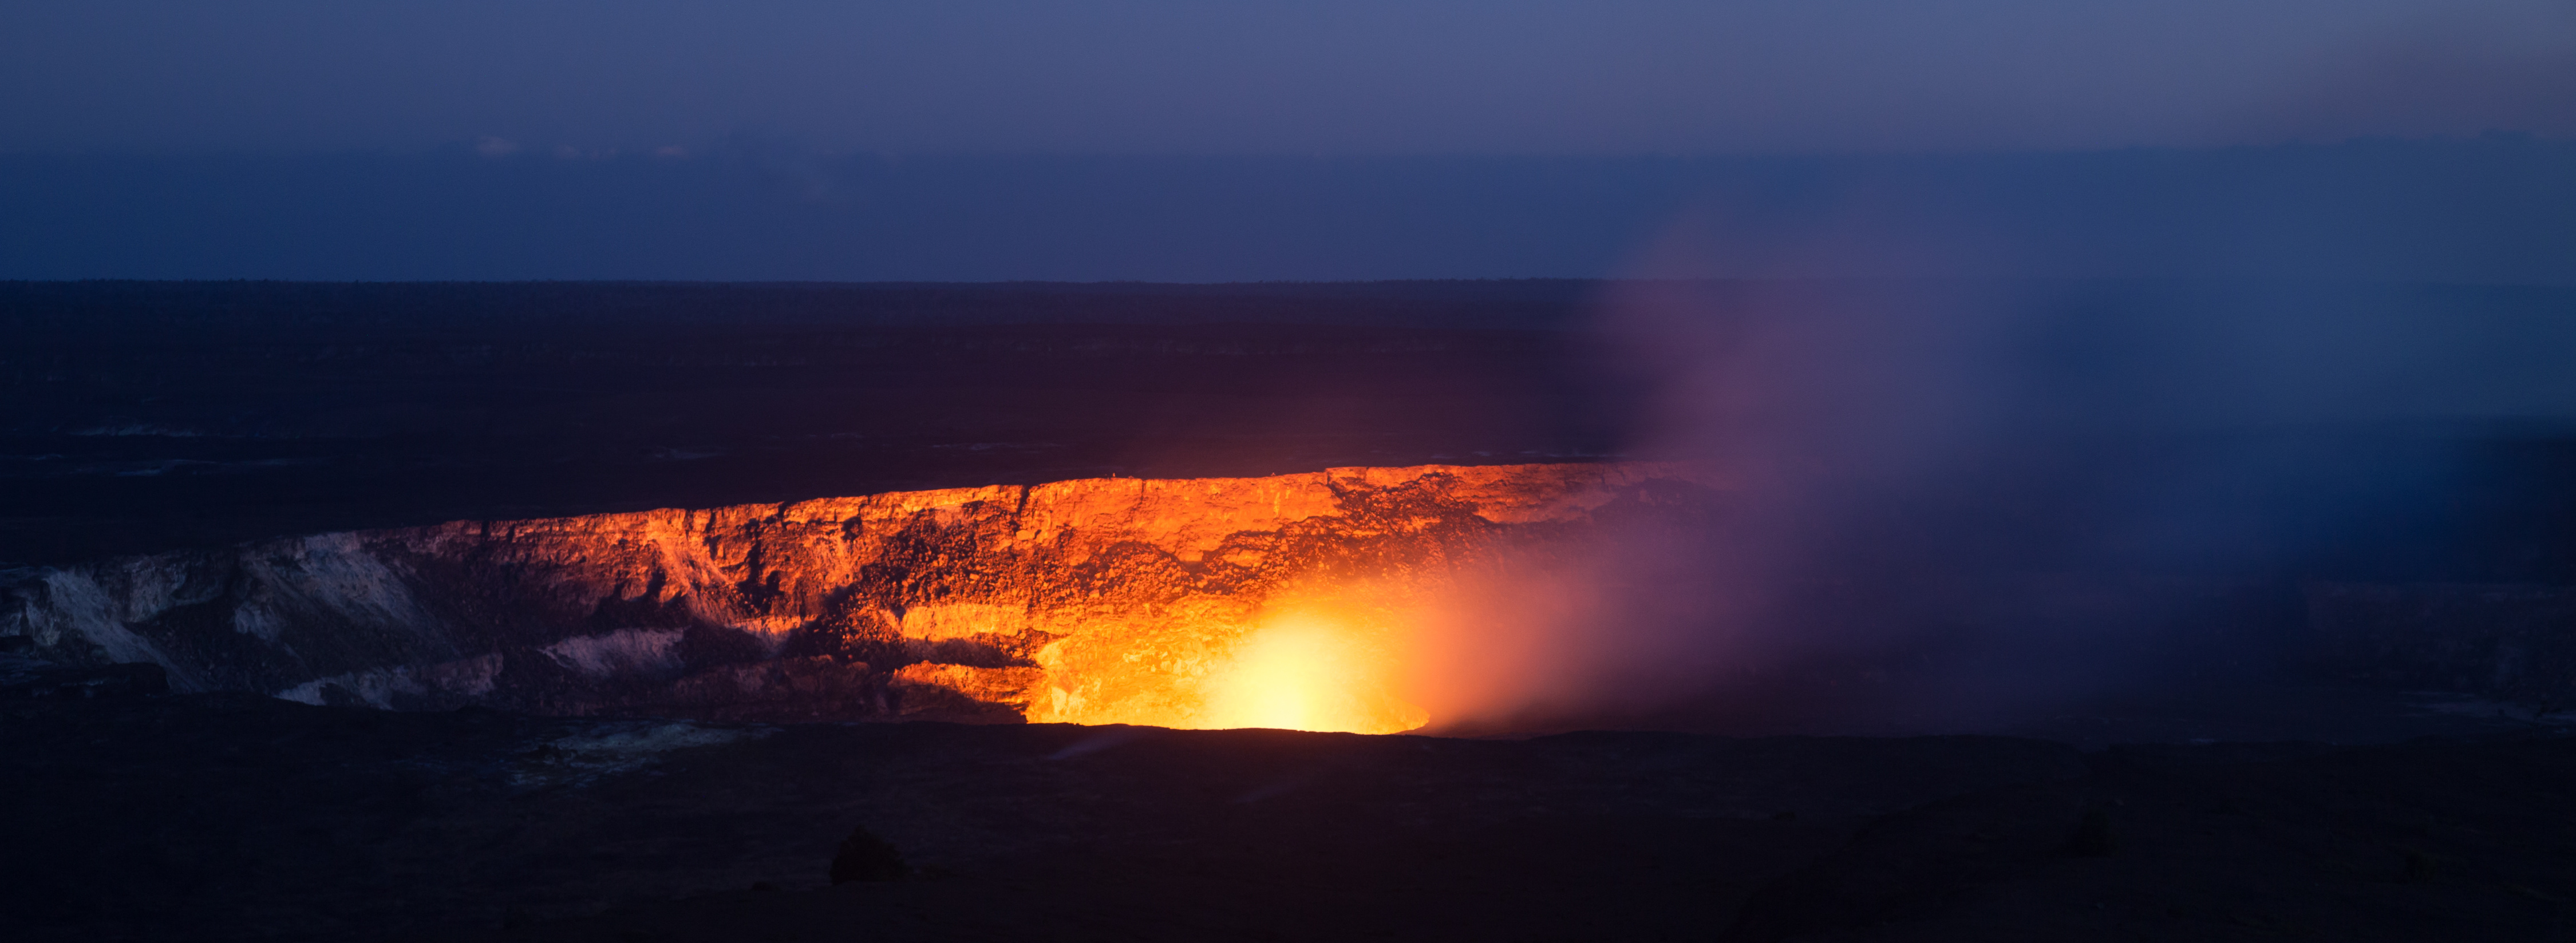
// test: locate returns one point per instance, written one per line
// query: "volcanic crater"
(1112, 600)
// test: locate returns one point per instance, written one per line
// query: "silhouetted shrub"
(865, 857)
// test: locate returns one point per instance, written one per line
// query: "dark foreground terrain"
(236, 817)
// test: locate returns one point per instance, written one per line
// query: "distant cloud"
(2459, 78)
(1342, 77)
(496, 147)
(2477, 210)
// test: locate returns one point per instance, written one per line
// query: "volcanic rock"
(1092, 601)
(2506, 641)
(23, 678)
(865, 857)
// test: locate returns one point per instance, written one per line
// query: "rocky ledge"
(1092, 601)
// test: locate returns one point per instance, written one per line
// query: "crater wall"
(1095, 600)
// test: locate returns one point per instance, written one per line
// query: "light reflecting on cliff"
(1314, 658)
(1308, 672)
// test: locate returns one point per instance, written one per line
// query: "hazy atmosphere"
(1482, 470)
(1326, 77)
(2392, 139)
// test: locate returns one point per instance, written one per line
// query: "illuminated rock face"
(1203, 602)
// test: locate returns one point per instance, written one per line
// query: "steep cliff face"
(1091, 601)
(2505, 641)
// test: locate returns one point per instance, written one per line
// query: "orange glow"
(1318, 663)
(1356, 599)
(1306, 672)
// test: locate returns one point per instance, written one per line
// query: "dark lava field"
(2359, 731)
(237, 817)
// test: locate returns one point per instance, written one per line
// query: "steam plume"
(1953, 504)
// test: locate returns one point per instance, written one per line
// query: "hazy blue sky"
(1295, 78)
(1320, 139)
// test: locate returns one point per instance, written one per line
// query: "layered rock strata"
(2510, 642)
(1099, 600)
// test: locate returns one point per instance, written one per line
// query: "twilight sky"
(1194, 140)
(1331, 77)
